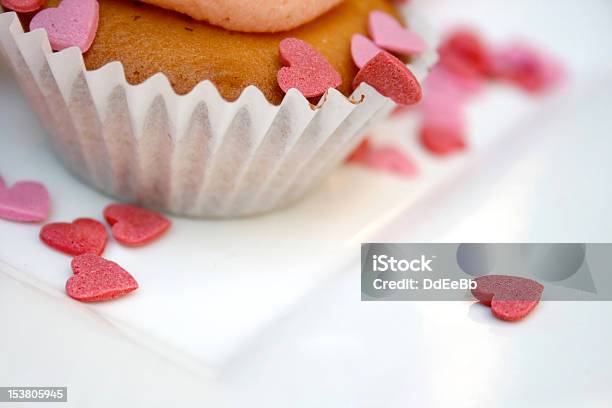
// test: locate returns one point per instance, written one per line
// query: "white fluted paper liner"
(196, 154)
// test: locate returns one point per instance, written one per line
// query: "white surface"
(550, 182)
(199, 278)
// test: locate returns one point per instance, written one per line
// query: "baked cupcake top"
(264, 16)
(149, 39)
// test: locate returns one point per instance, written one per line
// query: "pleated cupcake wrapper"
(196, 154)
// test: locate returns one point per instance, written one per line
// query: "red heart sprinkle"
(442, 140)
(511, 298)
(72, 23)
(466, 54)
(305, 69)
(26, 201)
(389, 34)
(96, 279)
(23, 6)
(361, 152)
(389, 76)
(135, 226)
(82, 236)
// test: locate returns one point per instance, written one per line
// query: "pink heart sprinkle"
(305, 69)
(72, 23)
(444, 81)
(441, 109)
(389, 34)
(23, 6)
(527, 67)
(443, 124)
(363, 50)
(26, 201)
(384, 158)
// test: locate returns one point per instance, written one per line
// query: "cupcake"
(209, 108)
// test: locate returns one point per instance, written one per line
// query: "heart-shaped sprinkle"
(389, 34)
(442, 139)
(360, 152)
(72, 23)
(443, 128)
(26, 201)
(23, 6)
(96, 279)
(526, 67)
(83, 236)
(305, 69)
(392, 160)
(389, 76)
(363, 50)
(135, 226)
(442, 84)
(511, 298)
(466, 54)
(384, 158)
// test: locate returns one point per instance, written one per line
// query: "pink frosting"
(251, 16)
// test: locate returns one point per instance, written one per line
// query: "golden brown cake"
(149, 39)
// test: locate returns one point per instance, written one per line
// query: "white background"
(542, 173)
